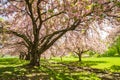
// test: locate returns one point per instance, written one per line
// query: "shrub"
(91, 53)
(109, 53)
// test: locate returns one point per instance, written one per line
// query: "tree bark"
(35, 59)
(27, 56)
(80, 55)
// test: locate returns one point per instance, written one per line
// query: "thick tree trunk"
(35, 59)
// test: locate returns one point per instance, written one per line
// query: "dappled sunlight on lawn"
(94, 62)
(7, 62)
(55, 69)
(15, 69)
(106, 62)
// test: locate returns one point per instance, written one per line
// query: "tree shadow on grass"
(83, 63)
(22, 73)
(15, 69)
(65, 70)
(10, 70)
(26, 73)
(92, 63)
(115, 68)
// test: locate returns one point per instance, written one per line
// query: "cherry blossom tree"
(38, 24)
(97, 37)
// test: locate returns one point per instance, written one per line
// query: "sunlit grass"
(11, 62)
(12, 68)
(110, 63)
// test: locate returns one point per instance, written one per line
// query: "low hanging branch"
(23, 36)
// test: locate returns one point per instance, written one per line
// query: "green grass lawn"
(110, 63)
(55, 69)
